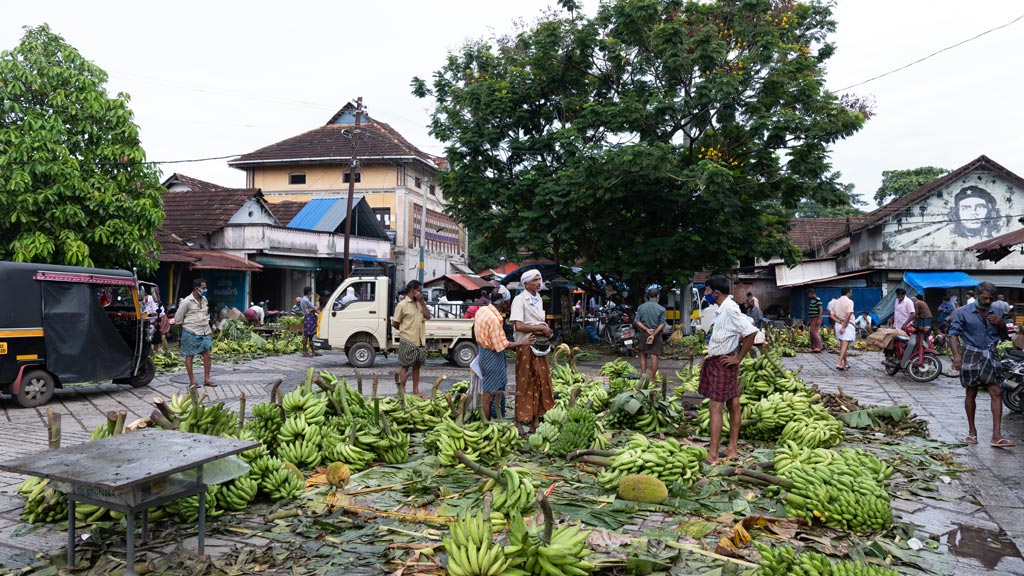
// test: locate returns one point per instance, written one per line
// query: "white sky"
(223, 78)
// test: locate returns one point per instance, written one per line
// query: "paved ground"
(983, 527)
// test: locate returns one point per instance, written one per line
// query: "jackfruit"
(642, 488)
(338, 474)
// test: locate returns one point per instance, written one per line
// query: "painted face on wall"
(972, 212)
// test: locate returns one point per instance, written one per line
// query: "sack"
(883, 337)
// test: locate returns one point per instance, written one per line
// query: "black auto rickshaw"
(64, 324)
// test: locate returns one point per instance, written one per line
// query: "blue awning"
(922, 280)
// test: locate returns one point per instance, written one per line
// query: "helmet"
(541, 346)
(654, 290)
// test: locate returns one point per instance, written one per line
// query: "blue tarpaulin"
(922, 280)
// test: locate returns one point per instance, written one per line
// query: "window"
(384, 216)
(348, 176)
(296, 178)
(418, 182)
(432, 191)
(364, 295)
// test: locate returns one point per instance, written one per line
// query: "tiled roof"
(286, 210)
(202, 208)
(809, 233)
(332, 142)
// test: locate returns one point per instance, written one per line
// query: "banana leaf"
(874, 417)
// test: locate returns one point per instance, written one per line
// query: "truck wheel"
(145, 374)
(362, 355)
(36, 388)
(463, 354)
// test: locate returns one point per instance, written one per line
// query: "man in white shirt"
(731, 339)
(534, 395)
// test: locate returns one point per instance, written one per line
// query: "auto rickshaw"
(64, 324)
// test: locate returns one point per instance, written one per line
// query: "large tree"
(654, 139)
(74, 188)
(852, 206)
(896, 183)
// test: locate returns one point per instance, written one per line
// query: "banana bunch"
(547, 432)
(666, 460)
(352, 403)
(416, 414)
(393, 446)
(212, 420)
(252, 453)
(772, 412)
(646, 411)
(784, 561)
(180, 404)
(265, 424)
(556, 416)
(99, 432)
(280, 483)
(561, 555)
(618, 368)
(488, 442)
(842, 489)
(341, 445)
(703, 420)
(602, 439)
(188, 508)
(565, 378)
(577, 433)
(472, 550)
(43, 503)
(89, 513)
(303, 400)
(766, 375)
(512, 488)
(816, 429)
(239, 493)
(298, 441)
(689, 380)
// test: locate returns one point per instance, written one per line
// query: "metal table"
(130, 473)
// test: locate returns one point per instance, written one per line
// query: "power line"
(936, 53)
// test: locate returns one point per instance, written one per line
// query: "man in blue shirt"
(979, 328)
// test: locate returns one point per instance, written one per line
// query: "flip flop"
(971, 439)
(210, 384)
(1003, 443)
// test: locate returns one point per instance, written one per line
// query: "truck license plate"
(3, 347)
(627, 342)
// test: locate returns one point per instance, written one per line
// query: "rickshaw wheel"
(145, 374)
(36, 388)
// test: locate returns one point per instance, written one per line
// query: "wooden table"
(130, 473)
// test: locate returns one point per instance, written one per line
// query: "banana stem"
(400, 391)
(359, 382)
(574, 395)
(241, 409)
(162, 421)
(597, 461)
(549, 520)
(329, 392)
(373, 390)
(308, 383)
(53, 427)
(591, 452)
(273, 389)
(477, 467)
(776, 480)
(437, 384)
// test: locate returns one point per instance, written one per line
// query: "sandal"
(970, 439)
(305, 354)
(1003, 443)
(210, 384)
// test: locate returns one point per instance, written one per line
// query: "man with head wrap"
(489, 331)
(534, 396)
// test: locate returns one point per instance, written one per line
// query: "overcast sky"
(225, 78)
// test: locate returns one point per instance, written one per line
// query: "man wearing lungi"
(489, 330)
(410, 320)
(534, 396)
(974, 331)
(731, 339)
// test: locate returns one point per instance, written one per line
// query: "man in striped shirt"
(489, 331)
(814, 320)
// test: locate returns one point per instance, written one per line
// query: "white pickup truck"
(362, 327)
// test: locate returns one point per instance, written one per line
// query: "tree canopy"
(654, 139)
(73, 185)
(896, 183)
(852, 206)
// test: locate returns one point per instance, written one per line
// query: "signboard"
(228, 287)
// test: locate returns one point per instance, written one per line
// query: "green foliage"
(897, 183)
(846, 203)
(655, 138)
(74, 190)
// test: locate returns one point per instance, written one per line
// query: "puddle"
(984, 545)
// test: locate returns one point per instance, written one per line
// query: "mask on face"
(979, 305)
(710, 298)
(202, 292)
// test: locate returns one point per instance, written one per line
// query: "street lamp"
(423, 226)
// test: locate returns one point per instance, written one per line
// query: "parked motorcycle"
(617, 327)
(920, 361)
(1013, 376)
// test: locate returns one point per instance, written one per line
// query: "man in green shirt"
(650, 322)
(814, 320)
(410, 319)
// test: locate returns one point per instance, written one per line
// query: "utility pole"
(353, 164)
(423, 225)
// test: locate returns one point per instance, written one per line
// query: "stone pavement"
(983, 528)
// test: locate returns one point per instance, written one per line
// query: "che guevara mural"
(972, 208)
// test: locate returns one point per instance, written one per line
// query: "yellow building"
(392, 175)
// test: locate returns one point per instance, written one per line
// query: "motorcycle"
(617, 327)
(268, 314)
(914, 355)
(1013, 376)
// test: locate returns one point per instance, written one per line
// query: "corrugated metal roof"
(321, 214)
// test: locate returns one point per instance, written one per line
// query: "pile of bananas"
(188, 507)
(488, 442)
(236, 495)
(212, 420)
(666, 460)
(303, 401)
(275, 480)
(352, 403)
(512, 488)
(299, 441)
(561, 554)
(341, 445)
(618, 368)
(43, 502)
(577, 433)
(842, 489)
(547, 432)
(471, 548)
(689, 380)
(765, 375)
(265, 424)
(770, 415)
(393, 445)
(784, 561)
(645, 411)
(414, 414)
(814, 429)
